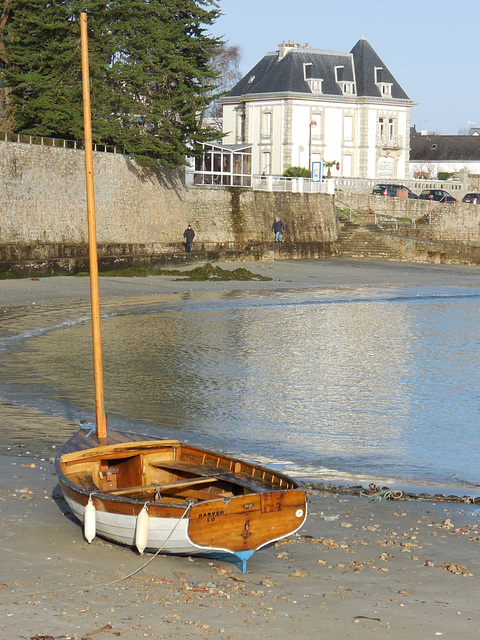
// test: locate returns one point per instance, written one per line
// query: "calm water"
(351, 383)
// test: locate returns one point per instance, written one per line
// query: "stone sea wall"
(43, 201)
(141, 215)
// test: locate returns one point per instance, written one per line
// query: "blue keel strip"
(244, 556)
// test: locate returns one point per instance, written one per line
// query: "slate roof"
(280, 75)
(444, 148)
(366, 59)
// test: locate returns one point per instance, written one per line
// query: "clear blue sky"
(431, 47)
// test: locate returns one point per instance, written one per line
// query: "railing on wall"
(294, 185)
(56, 142)
(367, 184)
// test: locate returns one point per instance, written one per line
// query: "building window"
(266, 124)
(384, 87)
(265, 163)
(381, 127)
(348, 128)
(251, 79)
(391, 127)
(240, 128)
(315, 84)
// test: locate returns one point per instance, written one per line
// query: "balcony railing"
(390, 142)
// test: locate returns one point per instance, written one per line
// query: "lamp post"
(312, 124)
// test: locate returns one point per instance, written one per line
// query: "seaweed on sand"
(204, 272)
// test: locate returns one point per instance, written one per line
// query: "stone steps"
(364, 241)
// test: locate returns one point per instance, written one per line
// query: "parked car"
(473, 198)
(391, 190)
(439, 195)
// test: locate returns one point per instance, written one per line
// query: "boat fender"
(89, 524)
(141, 530)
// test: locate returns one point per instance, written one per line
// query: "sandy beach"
(358, 568)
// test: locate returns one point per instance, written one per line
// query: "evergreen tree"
(149, 71)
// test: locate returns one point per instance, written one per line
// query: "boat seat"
(255, 485)
(189, 467)
(156, 486)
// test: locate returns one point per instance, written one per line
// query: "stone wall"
(43, 202)
(366, 203)
(458, 222)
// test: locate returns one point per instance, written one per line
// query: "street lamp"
(312, 124)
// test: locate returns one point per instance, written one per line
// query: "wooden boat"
(196, 501)
(162, 495)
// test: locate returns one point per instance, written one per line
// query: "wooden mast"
(101, 422)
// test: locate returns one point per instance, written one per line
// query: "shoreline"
(285, 274)
(68, 296)
(358, 569)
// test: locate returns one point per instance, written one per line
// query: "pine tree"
(149, 69)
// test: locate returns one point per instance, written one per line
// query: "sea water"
(373, 383)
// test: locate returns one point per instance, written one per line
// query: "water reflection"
(364, 386)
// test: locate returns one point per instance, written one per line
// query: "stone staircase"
(365, 241)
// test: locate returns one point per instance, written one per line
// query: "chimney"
(284, 48)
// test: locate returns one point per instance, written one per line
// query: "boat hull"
(197, 501)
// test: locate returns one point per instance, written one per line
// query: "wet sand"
(357, 569)
(285, 274)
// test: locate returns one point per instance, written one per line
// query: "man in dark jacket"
(278, 227)
(189, 235)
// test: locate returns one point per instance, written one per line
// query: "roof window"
(339, 73)
(251, 79)
(307, 70)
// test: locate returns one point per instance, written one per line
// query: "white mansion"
(301, 105)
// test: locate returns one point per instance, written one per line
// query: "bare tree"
(226, 63)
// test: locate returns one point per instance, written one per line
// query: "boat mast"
(101, 421)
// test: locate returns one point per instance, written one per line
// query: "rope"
(386, 494)
(189, 506)
(108, 584)
(376, 494)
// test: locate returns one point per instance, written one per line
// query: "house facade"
(433, 154)
(301, 105)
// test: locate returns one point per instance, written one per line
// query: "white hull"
(168, 534)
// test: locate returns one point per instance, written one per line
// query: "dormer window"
(385, 87)
(315, 85)
(347, 88)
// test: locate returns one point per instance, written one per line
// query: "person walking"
(278, 228)
(189, 235)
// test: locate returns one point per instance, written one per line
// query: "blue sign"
(316, 171)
